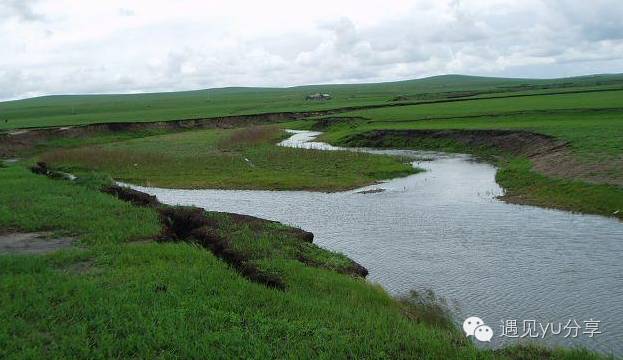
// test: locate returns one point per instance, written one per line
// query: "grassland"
(121, 296)
(588, 178)
(86, 109)
(228, 159)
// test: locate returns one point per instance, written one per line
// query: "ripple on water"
(445, 230)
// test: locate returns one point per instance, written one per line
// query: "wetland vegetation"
(123, 292)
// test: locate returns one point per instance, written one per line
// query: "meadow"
(127, 290)
(121, 294)
(244, 158)
(65, 110)
(588, 178)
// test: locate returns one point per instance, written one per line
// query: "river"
(445, 230)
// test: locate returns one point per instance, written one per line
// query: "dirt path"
(33, 243)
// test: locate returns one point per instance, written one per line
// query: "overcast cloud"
(72, 46)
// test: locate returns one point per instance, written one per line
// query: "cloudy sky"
(74, 46)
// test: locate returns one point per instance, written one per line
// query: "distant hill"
(60, 110)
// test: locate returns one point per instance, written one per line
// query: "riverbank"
(215, 105)
(517, 154)
(243, 158)
(560, 151)
(122, 294)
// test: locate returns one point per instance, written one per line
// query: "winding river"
(445, 230)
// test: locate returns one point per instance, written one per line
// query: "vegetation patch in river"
(244, 158)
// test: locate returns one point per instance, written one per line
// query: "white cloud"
(64, 46)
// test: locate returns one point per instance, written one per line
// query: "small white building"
(318, 96)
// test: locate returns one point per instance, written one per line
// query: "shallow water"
(445, 230)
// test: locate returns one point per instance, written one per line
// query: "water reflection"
(445, 230)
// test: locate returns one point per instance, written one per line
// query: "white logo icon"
(474, 325)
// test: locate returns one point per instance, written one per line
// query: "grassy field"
(86, 109)
(592, 124)
(228, 159)
(120, 296)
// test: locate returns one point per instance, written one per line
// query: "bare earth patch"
(33, 243)
(551, 156)
(562, 163)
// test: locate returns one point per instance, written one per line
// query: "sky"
(112, 46)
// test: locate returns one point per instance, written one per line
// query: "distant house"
(318, 97)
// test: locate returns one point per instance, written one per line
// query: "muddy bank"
(192, 224)
(137, 198)
(13, 142)
(326, 122)
(550, 156)
(516, 142)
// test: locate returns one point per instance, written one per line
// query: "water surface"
(445, 230)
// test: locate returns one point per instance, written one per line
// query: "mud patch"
(33, 243)
(371, 191)
(130, 195)
(563, 164)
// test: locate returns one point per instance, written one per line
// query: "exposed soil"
(564, 164)
(14, 142)
(550, 156)
(135, 197)
(371, 191)
(33, 243)
(326, 122)
(190, 224)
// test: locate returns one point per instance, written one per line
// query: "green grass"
(216, 159)
(33, 203)
(524, 185)
(119, 299)
(87, 109)
(119, 296)
(592, 124)
(591, 136)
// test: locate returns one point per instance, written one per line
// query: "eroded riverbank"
(445, 230)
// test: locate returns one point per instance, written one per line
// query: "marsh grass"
(425, 306)
(249, 136)
(229, 159)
